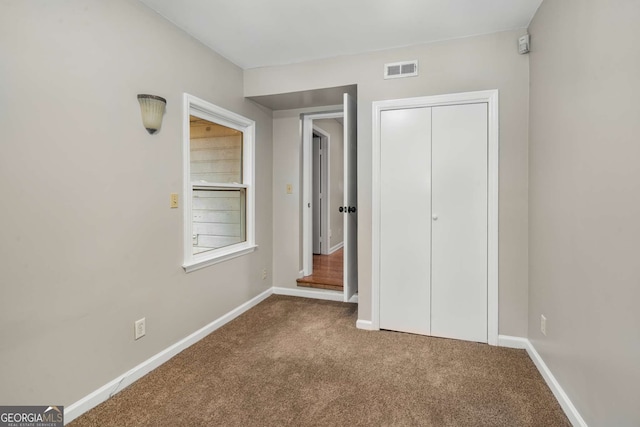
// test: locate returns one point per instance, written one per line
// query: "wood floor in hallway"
(327, 272)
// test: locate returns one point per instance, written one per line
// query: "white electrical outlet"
(264, 274)
(140, 328)
(543, 324)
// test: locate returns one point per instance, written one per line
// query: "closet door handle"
(434, 217)
(341, 209)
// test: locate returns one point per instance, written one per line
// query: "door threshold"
(309, 282)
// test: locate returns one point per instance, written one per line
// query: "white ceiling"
(257, 33)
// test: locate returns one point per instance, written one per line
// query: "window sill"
(219, 257)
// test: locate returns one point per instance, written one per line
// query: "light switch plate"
(173, 200)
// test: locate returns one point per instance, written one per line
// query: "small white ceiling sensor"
(523, 44)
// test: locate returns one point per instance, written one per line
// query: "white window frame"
(208, 111)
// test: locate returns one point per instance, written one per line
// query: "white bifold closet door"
(405, 220)
(433, 221)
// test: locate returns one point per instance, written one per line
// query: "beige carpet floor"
(299, 362)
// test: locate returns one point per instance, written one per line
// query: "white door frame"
(325, 165)
(325, 178)
(307, 182)
(491, 98)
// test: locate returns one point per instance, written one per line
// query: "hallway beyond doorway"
(327, 272)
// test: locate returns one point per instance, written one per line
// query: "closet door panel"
(459, 222)
(405, 224)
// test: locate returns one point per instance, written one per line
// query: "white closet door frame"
(491, 98)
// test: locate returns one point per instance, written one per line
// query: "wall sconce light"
(152, 109)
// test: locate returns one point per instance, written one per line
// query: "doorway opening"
(328, 272)
(329, 218)
(327, 146)
(321, 186)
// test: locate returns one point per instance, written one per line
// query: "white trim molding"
(491, 98)
(325, 166)
(116, 385)
(307, 181)
(308, 293)
(108, 390)
(513, 342)
(565, 403)
(208, 111)
(336, 247)
(229, 253)
(366, 325)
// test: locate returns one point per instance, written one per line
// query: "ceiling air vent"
(401, 69)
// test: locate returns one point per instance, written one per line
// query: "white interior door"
(350, 198)
(459, 222)
(405, 225)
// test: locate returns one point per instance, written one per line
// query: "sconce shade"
(152, 110)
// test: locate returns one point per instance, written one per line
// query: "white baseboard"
(567, 406)
(570, 410)
(367, 325)
(307, 293)
(336, 247)
(513, 342)
(92, 400)
(100, 395)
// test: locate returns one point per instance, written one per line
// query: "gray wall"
(584, 203)
(475, 63)
(336, 177)
(88, 242)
